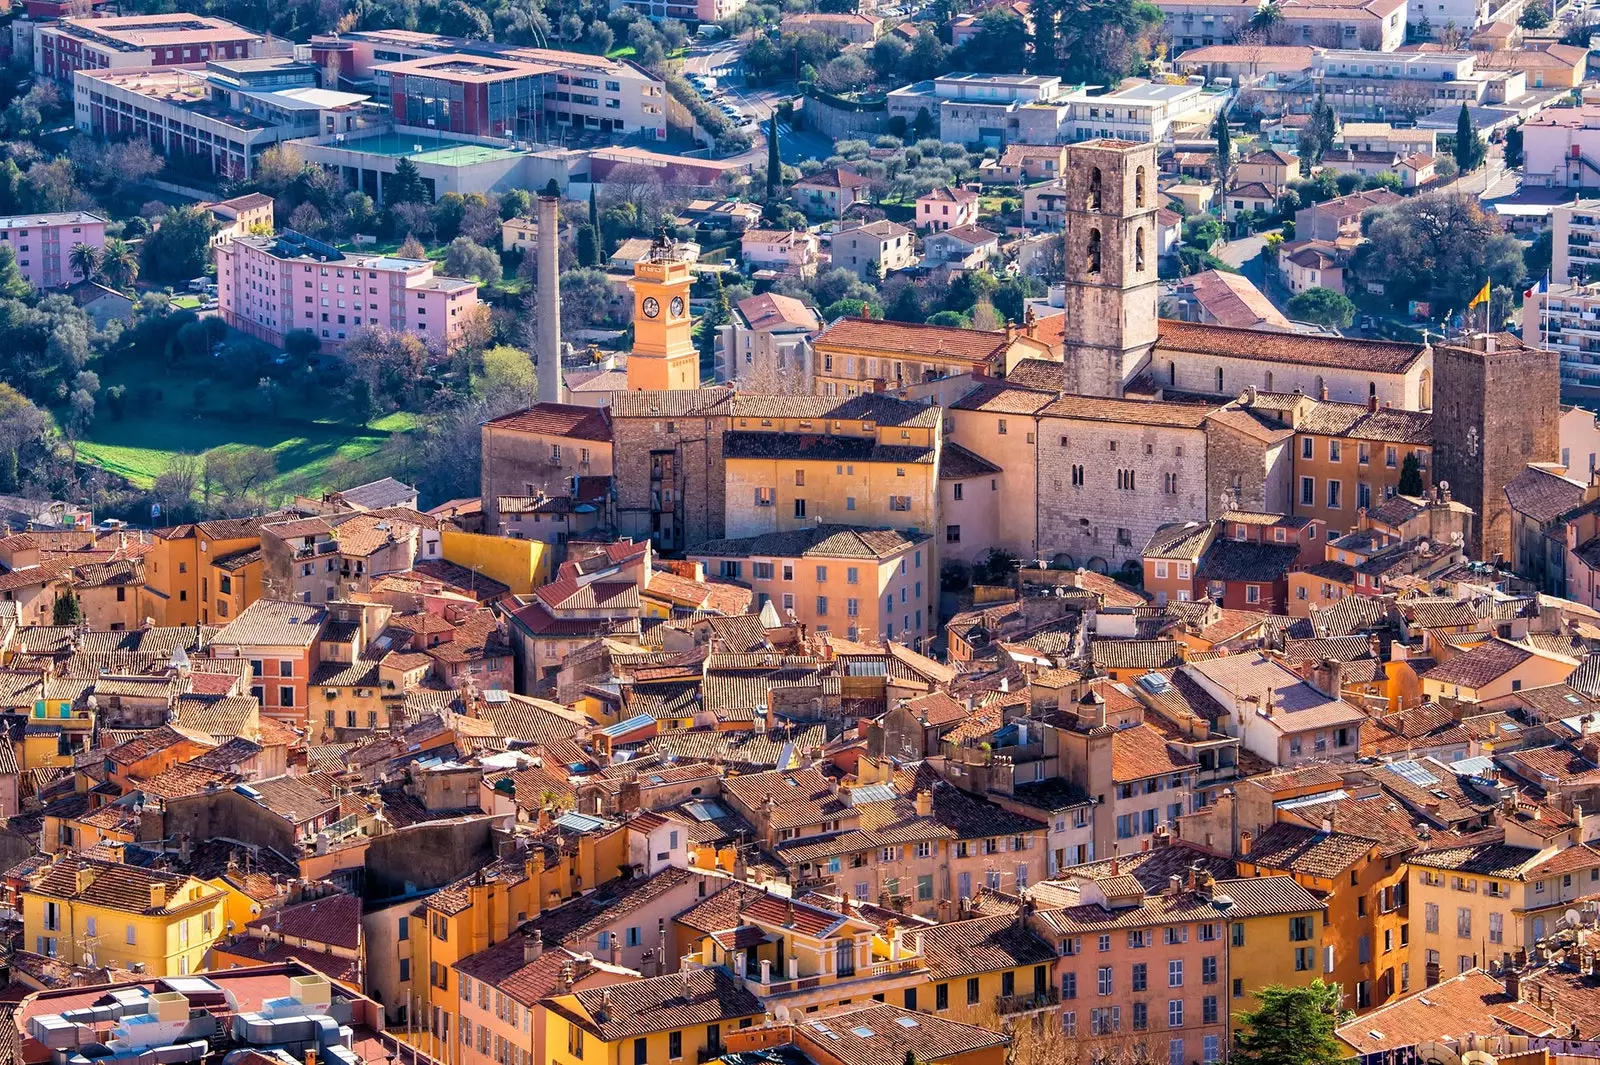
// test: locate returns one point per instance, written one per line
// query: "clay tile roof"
(333, 921)
(1371, 356)
(1129, 411)
(982, 945)
(907, 339)
(557, 419)
(877, 1033)
(659, 1004)
(1542, 494)
(957, 463)
(1141, 751)
(1004, 398)
(770, 310)
(1136, 654)
(1481, 665)
(1297, 849)
(1474, 1001)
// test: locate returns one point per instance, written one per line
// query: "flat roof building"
(139, 42)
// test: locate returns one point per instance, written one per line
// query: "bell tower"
(1111, 253)
(664, 355)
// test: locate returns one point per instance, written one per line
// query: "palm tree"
(1266, 18)
(118, 264)
(85, 259)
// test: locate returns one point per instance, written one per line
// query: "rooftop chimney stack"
(549, 298)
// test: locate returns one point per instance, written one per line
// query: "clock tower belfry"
(664, 355)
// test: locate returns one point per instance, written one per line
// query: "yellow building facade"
(104, 914)
(521, 565)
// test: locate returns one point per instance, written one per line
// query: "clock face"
(677, 306)
(651, 307)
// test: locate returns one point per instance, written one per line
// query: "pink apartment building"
(44, 243)
(139, 42)
(270, 286)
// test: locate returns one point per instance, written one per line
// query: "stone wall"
(427, 855)
(690, 433)
(845, 123)
(1097, 522)
(1483, 438)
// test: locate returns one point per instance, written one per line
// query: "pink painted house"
(44, 243)
(946, 208)
(270, 286)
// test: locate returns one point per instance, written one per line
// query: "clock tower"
(664, 355)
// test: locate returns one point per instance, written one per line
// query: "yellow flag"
(1481, 297)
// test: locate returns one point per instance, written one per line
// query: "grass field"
(143, 444)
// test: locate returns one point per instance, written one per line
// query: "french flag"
(1542, 286)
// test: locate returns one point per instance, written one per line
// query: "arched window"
(1138, 187)
(1269, 381)
(1172, 373)
(1094, 189)
(1219, 379)
(1094, 251)
(1426, 398)
(1138, 250)
(1372, 390)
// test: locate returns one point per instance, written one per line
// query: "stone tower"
(548, 301)
(1110, 264)
(1496, 408)
(664, 355)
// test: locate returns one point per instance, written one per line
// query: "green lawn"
(186, 303)
(144, 442)
(627, 51)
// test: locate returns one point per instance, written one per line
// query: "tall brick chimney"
(549, 298)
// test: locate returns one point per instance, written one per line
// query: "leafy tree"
(1100, 40)
(1292, 1026)
(24, 435)
(180, 247)
(1439, 247)
(585, 299)
(1324, 307)
(1469, 149)
(277, 168)
(66, 610)
(928, 56)
(506, 371)
(1410, 475)
(515, 203)
(389, 361)
(1268, 17)
(235, 471)
(999, 47)
(467, 258)
(405, 185)
(1535, 16)
(84, 259)
(1513, 142)
(954, 319)
(1348, 181)
(307, 219)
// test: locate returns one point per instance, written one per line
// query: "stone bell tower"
(1111, 258)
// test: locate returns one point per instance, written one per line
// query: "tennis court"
(437, 150)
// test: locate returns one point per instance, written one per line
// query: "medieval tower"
(1110, 264)
(1496, 408)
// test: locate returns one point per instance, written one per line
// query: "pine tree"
(594, 212)
(405, 184)
(1292, 1026)
(588, 246)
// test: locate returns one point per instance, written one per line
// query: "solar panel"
(1413, 771)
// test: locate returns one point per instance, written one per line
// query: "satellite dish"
(1572, 918)
(1435, 1053)
(1477, 1057)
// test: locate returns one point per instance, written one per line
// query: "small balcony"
(1017, 1005)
